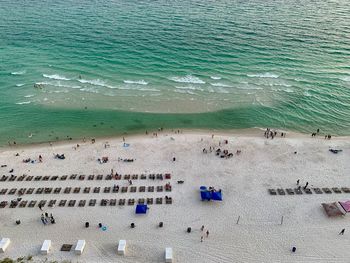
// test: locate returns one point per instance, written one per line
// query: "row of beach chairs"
(82, 203)
(316, 190)
(83, 177)
(85, 190)
(46, 248)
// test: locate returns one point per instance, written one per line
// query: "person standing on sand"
(207, 233)
(307, 183)
(342, 231)
(202, 228)
(201, 238)
(298, 182)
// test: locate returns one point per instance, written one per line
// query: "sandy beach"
(249, 225)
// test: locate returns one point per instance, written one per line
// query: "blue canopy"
(217, 196)
(141, 209)
(205, 195)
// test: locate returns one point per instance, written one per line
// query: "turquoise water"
(98, 68)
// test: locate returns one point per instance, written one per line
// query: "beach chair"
(52, 203)
(3, 204)
(64, 177)
(108, 177)
(82, 203)
(104, 202)
(168, 255)
(22, 191)
(48, 190)
(150, 188)
(54, 178)
(124, 189)
(12, 191)
(32, 203)
(121, 202)
(143, 177)
(76, 190)
(336, 190)
(142, 189)
(168, 187)
(159, 188)
(134, 176)
(141, 201)
(127, 177)
(79, 248)
(121, 247)
(81, 177)
(13, 204)
(92, 202)
(152, 176)
(150, 201)
(46, 178)
(281, 191)
(115, 189)
(62, 203)
(4, 243)
(99, 177)
(12, 178)
(73, 176)
(23, 204)
(159, 201)
(168, 176)
(91, 177)
(298, 191)
(3, 191)
(57, 190)
(45, 248)
(272, 191)
(30, 191)
(113, 202)
(169, 200)
(39, 190)
(42, 203)
(37, 178)
(67, 190)
(133, 189)
(96, 190)
(308, 191)
(159, 176)
(290, 191)
(317, 190)
(345, 189)
(327, 190)
(131, 201)
(107, 190)
(3, 178)
(29, 178)
(71, 203)
(20, 178)
(87, 190)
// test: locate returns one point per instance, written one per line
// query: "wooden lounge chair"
(336, 190)
(99, 177)
(345, 189)
(67, 190)
(57, 190)
(141, 201)
(168, 176)
(159, 176)
(307, 190)
(22, 191)
(3, 191)
(62, 203)
(298, 191)
(46, 178)
(108, 177)
(142, 189)
(134, 176)
(281, 191)
(32, 203)
(159, 188)
(71, 203)
(42, 203)
(20, 178)
(317, 190)
(121, 202)
(131, 201)
(87, 190)
(81, 177)
(29, 178)
(104, 202)
(82, 203)
(143, 177)
(150, 188)
(37, 178)
(115, 189)
(39, 190)
(48, 190)
(64, 177)
(3, 178)
(23, 204)
(107, 190)
(133, 189)
(327, 190)
(152, 176)
(13, 204)
(124, 189)
(54, 178)
(290, 191)
(30, 191)
(91, 177)
(51, 203)
(150, 201)
(12, 191)
(113, 202)
(3, 204)
(92, 202)
(73, 176)
(168, 187)
(127, 177)
(272, 191)
(12, 178)
(169, 200)
(96, 190)
(76, 190)
(159, 201)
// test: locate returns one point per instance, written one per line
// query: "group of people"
(271, 134)
(299, 186)
(207, 233)
(46, 219)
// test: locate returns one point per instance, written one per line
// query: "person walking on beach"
(201, 238)
(40, 207)
(202, 228)
(43, 219)
(207, 233)
(342, 231)
(307, 183)
(298, 182)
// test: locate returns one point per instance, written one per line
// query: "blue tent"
(141, 209)
(205, 195)
(217, 196)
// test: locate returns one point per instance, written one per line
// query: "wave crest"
(55, 76)
(263, 75)
(188, 79)
(139, 82)
(19, 72)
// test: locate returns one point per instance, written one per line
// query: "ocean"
(73, 69)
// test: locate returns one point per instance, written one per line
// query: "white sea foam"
(185, 92)
(139, 82)
(19, 84)
(215, 77)
(97, 82)
(219, 84)
(23, 102)
(263, 75)
(190, 87)
(345, 78)
(19, 72)
(307, 94)
(221, 90)
(55, 76)
(188, 79)
(148, 89)
(29, 96)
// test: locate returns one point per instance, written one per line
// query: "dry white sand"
(244, 180)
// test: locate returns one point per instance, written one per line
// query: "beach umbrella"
(217, 196)
(141, 209)
(345, 205)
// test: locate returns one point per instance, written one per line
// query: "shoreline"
(255, 132)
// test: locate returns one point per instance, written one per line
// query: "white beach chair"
(4, 243)
(45, 248)
(168, 255)
(79, 248)
(121, 247)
